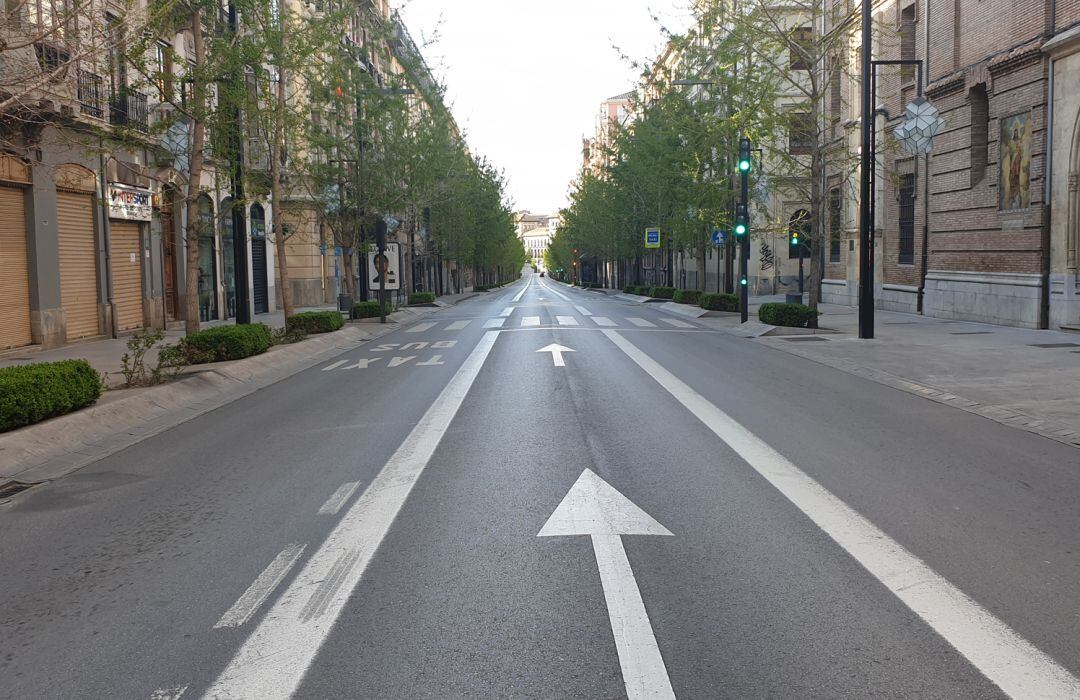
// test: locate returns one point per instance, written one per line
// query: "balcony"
(91, 95)
(128, 108)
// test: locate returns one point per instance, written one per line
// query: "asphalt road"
(720, 519)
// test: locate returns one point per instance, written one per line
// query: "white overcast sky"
(525, 78)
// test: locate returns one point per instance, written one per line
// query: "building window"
(979, 106)
(799, 222)
(907, 43)
(800, 133)
(835, 213)
(49, 20)
(207, 270)
(162, 70)
(801, 48)
(906, 248)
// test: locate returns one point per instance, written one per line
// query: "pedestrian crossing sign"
(652, 238)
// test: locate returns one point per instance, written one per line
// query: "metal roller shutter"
(14, 279)
(127, 274)
(78, 264)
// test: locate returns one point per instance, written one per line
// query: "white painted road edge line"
(556, 293)
(275, 657)
(257, 592)
(1011, 662)
(338, 498)
(524, 289)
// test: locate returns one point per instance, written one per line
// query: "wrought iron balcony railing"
(91, 95)
(128, 108)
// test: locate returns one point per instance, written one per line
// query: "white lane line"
(334, 365)
(494, 322)
(168, 693)
(524, 289)
(260, 589)
(458, 325)
(420, 327)
(1011, 662)
(338, 498)
(566, 320)
(582, 310)
(275, 657)
(603, 321)
(507, 311)
(641, 323)
(530, 321)
(677, 323)
(556, 293)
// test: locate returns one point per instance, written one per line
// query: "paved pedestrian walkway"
(1026, 378)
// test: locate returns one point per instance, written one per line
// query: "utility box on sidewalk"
(344, 302)
(793, 298)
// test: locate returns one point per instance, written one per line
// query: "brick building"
(985, 227)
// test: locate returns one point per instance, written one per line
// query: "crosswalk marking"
(603, 321)
(458, 325)
(494, 322)
(420, 327)
(507, 311)
(641, 323)
(527, 321)
(677, 323)
(566, 320)
(582, 310)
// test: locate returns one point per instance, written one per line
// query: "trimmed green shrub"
(630, 289)
(790, 315)
(369, 309)
(662, 292)
(687, 296)
(421, 298)
(480, 287)
(226, 343)
(719, 302)
(642, 290)
(315, 321)
(32, 393)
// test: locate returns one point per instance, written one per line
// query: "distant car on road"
(541, 273)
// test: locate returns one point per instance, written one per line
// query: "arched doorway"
(259, 293)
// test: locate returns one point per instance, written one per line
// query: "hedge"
(662, 292)
(687, 296)
(226, 343)
(32, 393)
(630, 289)
(642, 290)
(790, 315)
(719, 302)
(315, 322)
(369, 309)
(421, 298)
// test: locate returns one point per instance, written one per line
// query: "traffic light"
(744, 155)
(794, 236)
(741, 224)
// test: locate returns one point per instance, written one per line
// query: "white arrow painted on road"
(556, 353)
(593, 507)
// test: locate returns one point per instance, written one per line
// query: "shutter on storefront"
(78, 264)
(14, 276)
(127, 274)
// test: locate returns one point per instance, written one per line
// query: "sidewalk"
(1029, 379)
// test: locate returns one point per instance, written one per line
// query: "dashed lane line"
(507, 311)
(604, 321)
(582, 310)
(458, 325)
(494, 323)
(530, 321)
(566, 320)
(677, 323)
(420, 327)
(260, 589)
(338, 498)
(641, 323)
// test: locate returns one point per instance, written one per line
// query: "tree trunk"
(194, 184)
(275, 179)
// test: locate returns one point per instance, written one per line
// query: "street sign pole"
(744, 250)
(380, 240)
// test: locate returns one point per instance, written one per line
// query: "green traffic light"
(743, 281)
(744, 165)
(795, 240)
(740, 229)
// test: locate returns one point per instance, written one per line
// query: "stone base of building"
(1065, 300)
(1007, 299)
(839, 292)
(898, 297)
(48, 327)
(310, 292)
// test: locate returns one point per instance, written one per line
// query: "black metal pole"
(239, 206)
(866, 231)
(744, 249)
(381, 259)
(801, 277)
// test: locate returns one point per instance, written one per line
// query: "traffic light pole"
(744, 249)
(866, 226)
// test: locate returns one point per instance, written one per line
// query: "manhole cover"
(972, 333)
(1054, 345)
(804, 338)
(13, 487)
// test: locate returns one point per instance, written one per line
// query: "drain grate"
(972, 333)
(13, 487)
(1054, 345)
(804, 338)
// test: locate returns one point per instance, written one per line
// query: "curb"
(686, 310)
(59, 446)
(1047, 428)
(632, 297)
